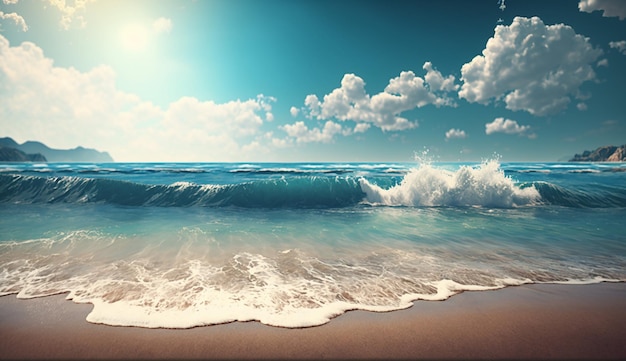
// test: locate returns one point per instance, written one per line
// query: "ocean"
(179, 245)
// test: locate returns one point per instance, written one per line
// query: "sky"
(315, 80)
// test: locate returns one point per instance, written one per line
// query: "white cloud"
(603, 62)
(455, 133)
(507, 126)
(294, 111)
(350, 102)
(71, 12)
(361, 127)
(65, 107)
(162, 26)
(530, 66)
(609, 7)
(302, 134)
(17, 19)
(581, 106)
(436, 81)
(281, 142)
(619, 45)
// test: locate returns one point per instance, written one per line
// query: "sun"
(134, 37)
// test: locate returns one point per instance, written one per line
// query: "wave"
(485, 185)
(272, 171)
(292, 192)
(598, 196)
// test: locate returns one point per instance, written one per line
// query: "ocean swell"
(484, 185)
(305, 192)
(596, 196)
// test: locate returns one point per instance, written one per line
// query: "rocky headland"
(8, 154)
(32, 151)
(607, 153)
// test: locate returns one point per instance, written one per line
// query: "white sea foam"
(485, 185)
(584, 281)
(277, 306)
(183, 184)
(181, 287)
(154, 286)
(218, 306)
(585, 170)
(150, 282)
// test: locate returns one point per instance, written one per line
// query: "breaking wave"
(484, 185)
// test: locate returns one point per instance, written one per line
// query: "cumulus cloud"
(530, 66)
(436, 81)
(350, 102)
(609, 8)
(619, 45)
(361, 127)
(71, 12)
(17, 19)
(162, 26)
(303, 134)
(507, 126)
(455, 134)
(294, 111)
(65, 107)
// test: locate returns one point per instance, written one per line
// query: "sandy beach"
(526, 322)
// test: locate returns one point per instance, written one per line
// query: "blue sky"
(318, 80)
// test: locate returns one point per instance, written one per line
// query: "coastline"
(539, 321)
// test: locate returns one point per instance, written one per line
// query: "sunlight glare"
(134, 37)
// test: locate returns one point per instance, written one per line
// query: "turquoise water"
(293, 245)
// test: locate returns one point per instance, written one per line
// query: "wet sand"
(526, 322)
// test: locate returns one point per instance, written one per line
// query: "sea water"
(294, 245)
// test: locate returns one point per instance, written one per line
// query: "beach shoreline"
(539, 321)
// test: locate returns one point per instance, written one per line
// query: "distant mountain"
(78, 154)
(8, 154)
(607, 153)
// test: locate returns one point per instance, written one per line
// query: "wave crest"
(485, 185)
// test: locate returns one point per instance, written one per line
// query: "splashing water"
(485, 185)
